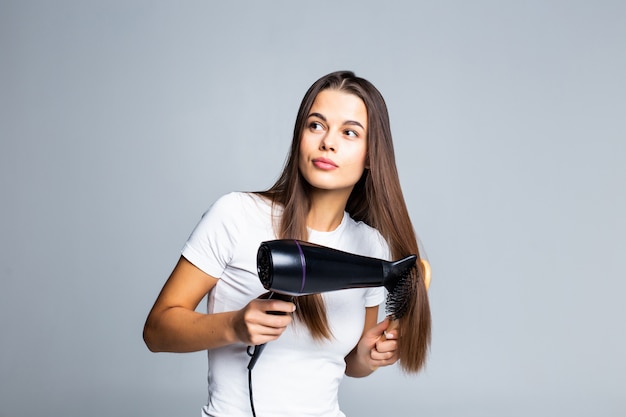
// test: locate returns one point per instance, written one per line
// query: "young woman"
(340, 189)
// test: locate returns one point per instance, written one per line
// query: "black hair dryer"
(289, 268)
(292, 267)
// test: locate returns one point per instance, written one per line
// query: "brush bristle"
(400, 296)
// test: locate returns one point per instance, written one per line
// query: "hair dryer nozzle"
(398, 270)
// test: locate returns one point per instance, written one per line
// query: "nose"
(328, 143)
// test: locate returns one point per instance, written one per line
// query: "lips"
(324, 163)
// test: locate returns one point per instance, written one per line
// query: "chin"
(330, 182)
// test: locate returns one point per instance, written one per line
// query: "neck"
(326, 211)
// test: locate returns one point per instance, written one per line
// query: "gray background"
(122, 121)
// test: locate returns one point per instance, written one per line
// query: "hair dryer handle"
(255, 351)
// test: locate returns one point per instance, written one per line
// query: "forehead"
(340, 106)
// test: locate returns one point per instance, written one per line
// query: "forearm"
(356, 366)
(178, 329)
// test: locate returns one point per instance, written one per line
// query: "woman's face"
(333, 147)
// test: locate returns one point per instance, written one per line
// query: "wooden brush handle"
(427, 272)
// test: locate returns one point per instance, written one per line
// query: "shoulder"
(232, 199)
(237, 202)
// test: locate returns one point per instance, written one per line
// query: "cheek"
(303, 155)
(302, 152)
(305, 145)
(359, 157)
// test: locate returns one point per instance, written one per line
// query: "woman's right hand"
(262, 320)
(173, 325)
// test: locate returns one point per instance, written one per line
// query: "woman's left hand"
(382, 343)
(378, 347)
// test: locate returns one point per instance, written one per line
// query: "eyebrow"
(347, 122)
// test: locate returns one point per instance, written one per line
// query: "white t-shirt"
(295, 375)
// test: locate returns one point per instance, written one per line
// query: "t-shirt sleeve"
(374, 296)
(210, 245)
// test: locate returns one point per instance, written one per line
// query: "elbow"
(150, 339)
(362, 374)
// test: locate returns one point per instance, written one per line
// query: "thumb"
(379, 329)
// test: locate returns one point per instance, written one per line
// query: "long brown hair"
(376, 200)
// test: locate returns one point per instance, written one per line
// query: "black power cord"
(255, 351)
(251, 350)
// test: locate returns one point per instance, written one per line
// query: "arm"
(173, 325)
(375, 348)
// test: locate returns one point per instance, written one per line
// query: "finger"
(383, 358)
(385, 350)
(386, 346)
(391, 334)
(257, 320)
(379, 329)
(261, 333)
(269, 331)
(270, 318)
(278, 306)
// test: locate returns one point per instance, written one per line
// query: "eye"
(316, 126)
(351, 133)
